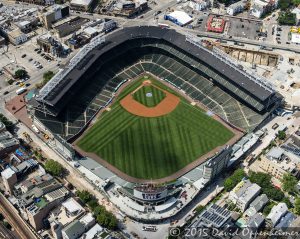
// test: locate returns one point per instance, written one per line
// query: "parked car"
(24, 55)
(5, 93)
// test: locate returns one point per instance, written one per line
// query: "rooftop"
(275, 153)
(256, 221)
(95, 230)
(277, 212)
(7, 173)
(72, 206)
(182, 17)
(81, 2)
(214, 216)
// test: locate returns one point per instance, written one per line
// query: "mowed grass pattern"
(152, 148)
(141, 95)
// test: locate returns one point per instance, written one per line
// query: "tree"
(284, 4)
(93, 203)
(234, 179)
(199, 208)
(273, 193)
(98, 210)
(53, 167)
(287, 18)
(261, 179)
(297, 206)
(267, 209)
(296, 2)
(287, 202)
(47, 76)
(20, 73)
(289, 183)
(107, 219)
(229, 184)
(8, 124)
(84, 195)
(281, 135)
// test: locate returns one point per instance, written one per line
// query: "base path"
(166, 106)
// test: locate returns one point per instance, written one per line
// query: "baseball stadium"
(149, 104)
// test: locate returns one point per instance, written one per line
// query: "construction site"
(251, 56)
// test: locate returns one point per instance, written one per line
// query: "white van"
(35, 129)
(21, 90)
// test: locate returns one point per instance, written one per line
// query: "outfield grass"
(155, 99)
(152, 148)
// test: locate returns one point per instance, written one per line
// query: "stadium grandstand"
(71, 99)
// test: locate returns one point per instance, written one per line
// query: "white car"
(35, 129)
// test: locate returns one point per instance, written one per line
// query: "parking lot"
(239, 27)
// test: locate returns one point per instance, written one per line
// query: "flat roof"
(182, 17)
(170, 36)
(81, 2)
(7, 173)
(72, 205)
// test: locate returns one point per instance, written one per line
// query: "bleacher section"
(168, 63)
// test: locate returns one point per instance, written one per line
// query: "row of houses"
(248, 200)
(45, 202)
(258, 8)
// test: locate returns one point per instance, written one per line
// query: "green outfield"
(152, 148)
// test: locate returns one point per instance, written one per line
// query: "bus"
(163, 25)
(150, 228)
(21, 90)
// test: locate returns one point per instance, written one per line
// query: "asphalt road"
(15, 220)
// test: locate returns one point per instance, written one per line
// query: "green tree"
(113, 223)
(47, 76)
(84, 195)
(199, 208)
(98, 210)
(284, 4)
(93, 203)
(287, 202)
(53, 167)
(267, 209)
(261, 179)
(289, 183)
(8, 124)
(20, 73)
(234, 179)
(281, 135)
(287, 18)
(296, 2)
(297, 206)
(273, 193)
(229, 184)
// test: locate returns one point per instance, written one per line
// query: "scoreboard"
(150, 196)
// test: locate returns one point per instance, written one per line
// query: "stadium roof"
(53, 95)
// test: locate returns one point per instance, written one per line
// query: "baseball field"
(153, 147)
